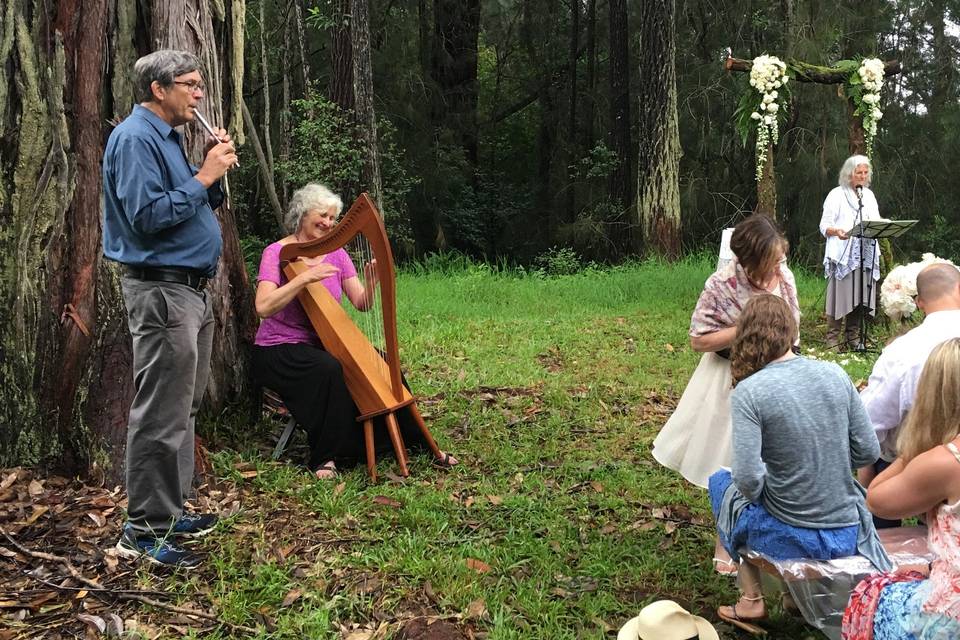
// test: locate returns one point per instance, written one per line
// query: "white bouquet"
(899, 288)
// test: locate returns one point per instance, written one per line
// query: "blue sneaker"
(194, 525)
(156, 550)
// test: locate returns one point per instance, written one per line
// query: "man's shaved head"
(938, 281)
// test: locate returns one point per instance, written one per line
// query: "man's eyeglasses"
(192, 85)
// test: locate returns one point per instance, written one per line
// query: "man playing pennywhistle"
(158, 221)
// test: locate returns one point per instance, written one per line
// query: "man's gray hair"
(311, 197)
(162, 66)
(850, 165)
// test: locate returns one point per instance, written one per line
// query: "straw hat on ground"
(666, 620)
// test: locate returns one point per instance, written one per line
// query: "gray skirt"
(844, 294)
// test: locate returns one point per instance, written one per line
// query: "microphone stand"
(864, 308)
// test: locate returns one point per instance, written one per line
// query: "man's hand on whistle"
(220, 158)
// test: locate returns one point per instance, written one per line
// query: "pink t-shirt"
(291, 325)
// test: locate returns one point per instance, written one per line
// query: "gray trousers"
(172, 329)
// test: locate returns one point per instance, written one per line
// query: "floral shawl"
(725, 293)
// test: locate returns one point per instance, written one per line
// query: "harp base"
(396, 439)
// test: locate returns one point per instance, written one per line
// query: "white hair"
(850, 165)
(312, 196)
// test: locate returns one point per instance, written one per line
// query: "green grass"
(550, 390)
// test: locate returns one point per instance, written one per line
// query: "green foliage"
(559, 261)
(599, 162)
(252, 248)
(326, 147)
(324, 144)
(940, 238)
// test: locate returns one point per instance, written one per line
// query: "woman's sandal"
(446, 462)
(330, 468)
(726, 567)
(729, 614)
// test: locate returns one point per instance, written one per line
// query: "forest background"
(522, 132)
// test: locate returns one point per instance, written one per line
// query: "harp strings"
(371, 321)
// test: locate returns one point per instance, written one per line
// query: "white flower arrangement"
(870, 74)
(899, 288)
(767, 74)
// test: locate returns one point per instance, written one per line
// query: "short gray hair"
(850, 165)
(310, 197)
(162, 66)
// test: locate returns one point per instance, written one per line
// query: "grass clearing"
(558, 524)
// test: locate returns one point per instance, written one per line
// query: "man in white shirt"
(889, 393)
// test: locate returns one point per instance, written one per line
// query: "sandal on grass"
(726, 567)
(729, 614)
(446, 461)
(326, 471)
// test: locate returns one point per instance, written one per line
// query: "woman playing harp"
(288, 356)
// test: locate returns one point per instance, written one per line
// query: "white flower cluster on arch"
(871, 75)
(767, 75)
(899, 288)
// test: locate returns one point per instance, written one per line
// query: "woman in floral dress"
(924, 479)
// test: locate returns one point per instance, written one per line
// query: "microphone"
(859, 189)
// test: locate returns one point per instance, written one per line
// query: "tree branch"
(805, 72)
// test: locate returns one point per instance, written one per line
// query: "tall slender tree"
(621, 183)
(658, 159)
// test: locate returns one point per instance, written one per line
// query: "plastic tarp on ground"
(821, 588)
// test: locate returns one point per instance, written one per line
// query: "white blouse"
(840, 210)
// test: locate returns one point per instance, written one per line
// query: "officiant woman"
(843, 208)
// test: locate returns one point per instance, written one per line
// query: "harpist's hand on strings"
(318, 272)
(370, 275)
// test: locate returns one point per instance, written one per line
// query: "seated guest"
(798, 429)
(288, 356)
(924, 479)
(892, 386)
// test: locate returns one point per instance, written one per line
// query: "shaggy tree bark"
(189, 25)
(65, 363)
(658, 160)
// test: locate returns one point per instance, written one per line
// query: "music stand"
(872, 230)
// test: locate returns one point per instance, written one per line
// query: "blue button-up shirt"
(155, 213)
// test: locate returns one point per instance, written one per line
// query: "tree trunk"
(188, 25)
(621, 179)
(590, 85)
(658, 160)
(340, 89)
(767, 188)
(363, 93)
(454, 69)
(570, 147)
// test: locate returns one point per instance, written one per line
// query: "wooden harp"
(372, 375)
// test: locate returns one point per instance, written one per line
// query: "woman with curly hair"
(799, 429)
(924, 479)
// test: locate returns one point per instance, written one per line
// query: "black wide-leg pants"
(310, 382)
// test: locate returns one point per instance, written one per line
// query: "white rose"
(768, 98)
(772, 107)
(755, 116)
(767, 120)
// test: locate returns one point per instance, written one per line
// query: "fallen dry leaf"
(495, 500)
(35, 488)
(476, 609)
(291, 597)
(387, 502)
(477, 565)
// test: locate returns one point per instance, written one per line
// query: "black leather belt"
(168, 274)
